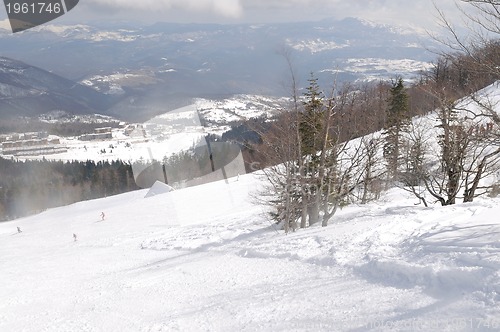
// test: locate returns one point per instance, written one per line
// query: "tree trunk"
(471, 193)
(305, 198)
(288, 206)
(453, 186)
(327, 216)
(366, 182)
(313, 210)
(303, 215)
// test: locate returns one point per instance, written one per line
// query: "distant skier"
(102, 215)
(19, 229)
(74, 237)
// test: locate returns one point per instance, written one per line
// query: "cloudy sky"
(418, 13)
(414, 12)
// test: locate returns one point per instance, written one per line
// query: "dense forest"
(28, 187)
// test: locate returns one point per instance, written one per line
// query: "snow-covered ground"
(376, 69)
(124, 148)
(239, 107)
(206, 259)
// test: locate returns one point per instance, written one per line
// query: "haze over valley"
(146, 70)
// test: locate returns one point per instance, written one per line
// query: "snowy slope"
(206, 259)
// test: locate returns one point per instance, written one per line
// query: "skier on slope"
(19, 229)
(74, 237)
(102, 215)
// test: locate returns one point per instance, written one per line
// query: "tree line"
(28, 187)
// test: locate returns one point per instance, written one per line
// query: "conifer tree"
(311, 126)
(396, 124)
(311, 130)
(314, 170)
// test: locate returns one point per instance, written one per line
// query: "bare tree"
(483, 151)
(415, 149)
(468, 131)
(281, 150)
(346, 171)
(311, 169)
(373, 169)
(477, 51)
(458, 158)
(444, 183)
(341, 164)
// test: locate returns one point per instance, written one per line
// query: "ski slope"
(207, 259)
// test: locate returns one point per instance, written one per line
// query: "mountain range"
(30, 91)
(136, 72)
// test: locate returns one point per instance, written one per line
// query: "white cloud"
(418, 13)
(226, 8)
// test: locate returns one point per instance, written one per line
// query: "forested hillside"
(28, 187)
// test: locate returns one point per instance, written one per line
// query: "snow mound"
(158, 188)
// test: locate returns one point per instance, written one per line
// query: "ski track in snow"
(207, 259)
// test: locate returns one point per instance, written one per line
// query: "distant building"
(99, 134)
(135, 130)
(26, 144)
(35, 135)
(95, 137)
(103, 130)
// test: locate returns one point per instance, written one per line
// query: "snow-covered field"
(206, 259)
(374, 69)
(239, 107)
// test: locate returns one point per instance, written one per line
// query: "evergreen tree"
(311, 131)
(311, 126)
(314, 169)
(397, 123)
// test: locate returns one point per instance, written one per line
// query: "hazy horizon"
(419, 14)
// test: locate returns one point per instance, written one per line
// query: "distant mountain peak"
(26, 90)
